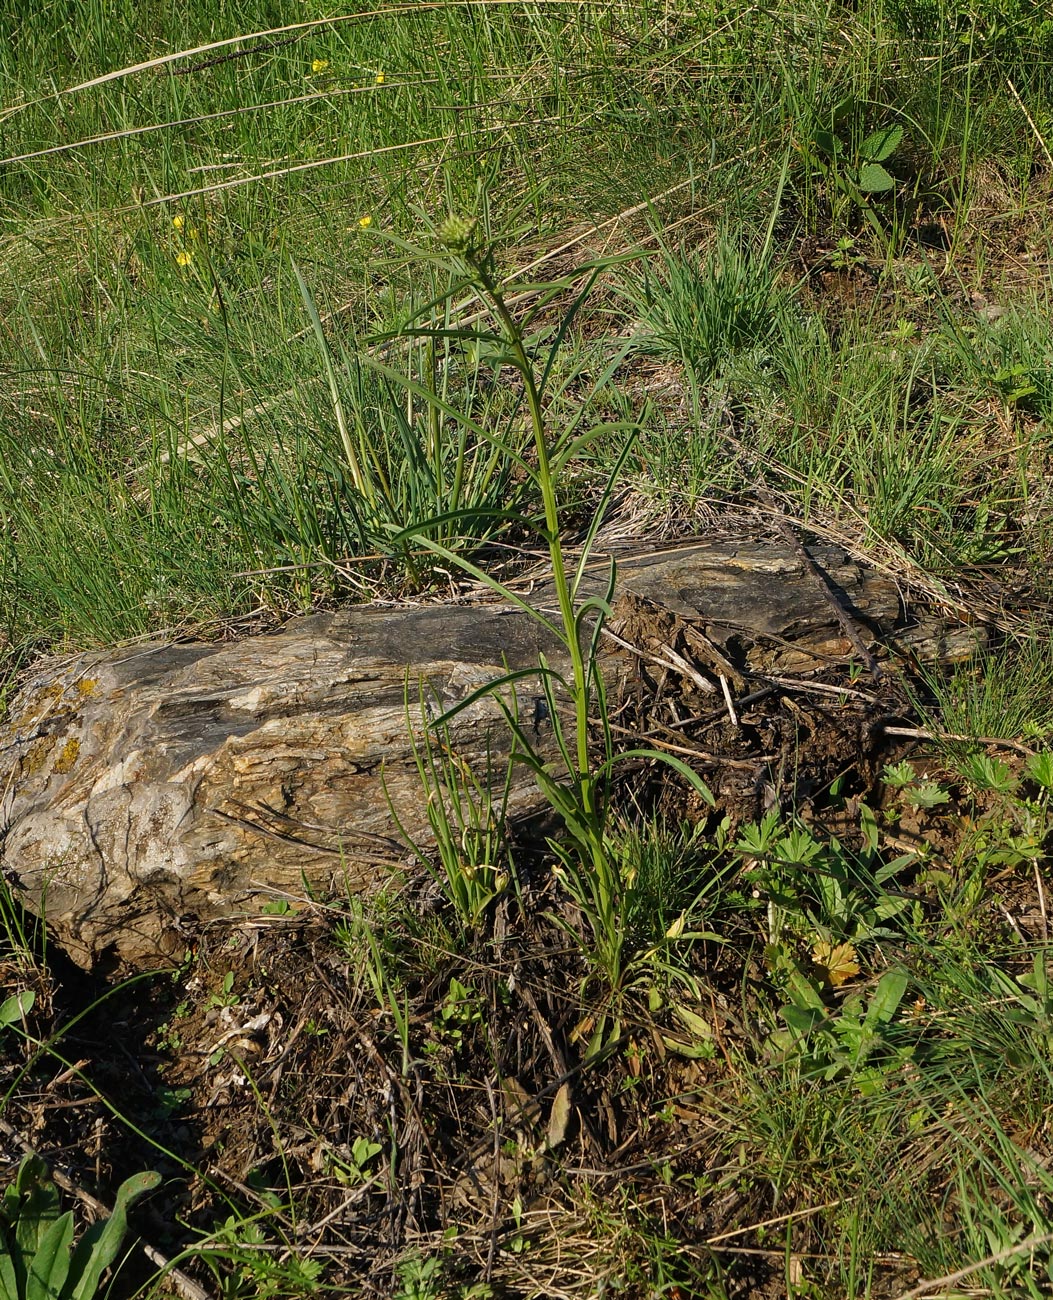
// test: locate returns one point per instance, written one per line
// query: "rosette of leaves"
(36, 1262)
(853, 164)
(859, 171)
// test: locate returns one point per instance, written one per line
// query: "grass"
(141, 322)
(241, 378)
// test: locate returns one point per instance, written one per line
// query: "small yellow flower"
(194, 233)
(365, 222)
(183, 258)
(380, 78)
(179, 222)
(319, 65)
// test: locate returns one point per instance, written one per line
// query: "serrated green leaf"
(881, 144)
(874, 179)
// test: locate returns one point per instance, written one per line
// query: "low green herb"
(35, 1237)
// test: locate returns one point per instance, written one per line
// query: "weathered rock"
(156, 785)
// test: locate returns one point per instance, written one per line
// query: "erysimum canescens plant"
(590, 869)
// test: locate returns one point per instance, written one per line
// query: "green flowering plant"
(578, 787)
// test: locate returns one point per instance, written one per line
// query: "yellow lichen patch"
(67, 755)
(37, 754)
(87, 685)
(47, 702)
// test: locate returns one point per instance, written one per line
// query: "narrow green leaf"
(887, 997)
(491, 688)
(565, 323)
(432, 399)
(98, 1248)
(489, 580)
(597, 519)
(584, 407)
(38, 1204)
(464, 335)
(670, 760)
(47, 1271)
(360, 480)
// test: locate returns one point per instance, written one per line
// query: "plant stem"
(513, 338)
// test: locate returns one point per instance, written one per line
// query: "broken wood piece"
(150, 787)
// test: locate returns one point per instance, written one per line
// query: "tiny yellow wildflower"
(194, 233)
(183, 258)
(380, 78)
(319, 65)
(365, 222)
(179, 222)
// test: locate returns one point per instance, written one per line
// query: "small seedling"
(353, 1168)
(926, 794)
(519, 1242)
(1015, 384)
(459, 1012)
(226, 997)
(897, 775)
(854, 166)
(985, 772)
(255, 1271)
(1031, 999)
(845, 255)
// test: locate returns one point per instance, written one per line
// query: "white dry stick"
(728, 700)
(1031, 122)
